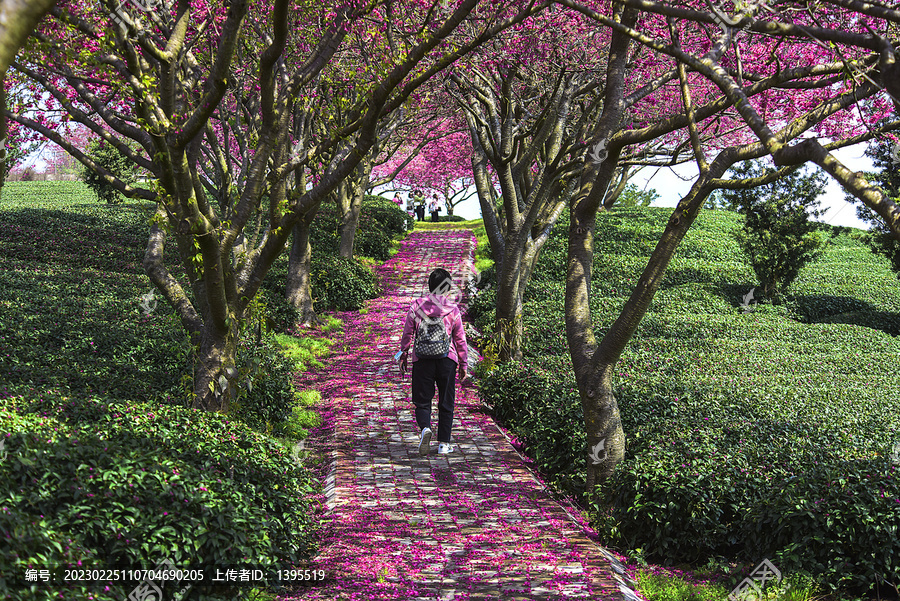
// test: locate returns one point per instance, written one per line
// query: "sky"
(671, 185)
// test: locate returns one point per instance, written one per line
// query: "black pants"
(434, 215)
(425, 374)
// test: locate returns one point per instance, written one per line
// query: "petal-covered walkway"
(475, 524)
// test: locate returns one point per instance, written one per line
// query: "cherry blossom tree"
(765, 83)
(61, 162)
(530, 111)
(442, 165)
(213, 96)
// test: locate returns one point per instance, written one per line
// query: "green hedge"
(388, 216)
(90, 482)
(380, 220)
(341, 284)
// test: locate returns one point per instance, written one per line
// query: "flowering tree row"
(248, 117)
(18, 19)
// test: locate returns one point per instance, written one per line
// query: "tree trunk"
(351, 203)
(214, 367)
(297, 287)
(512, 278)
(605, 435)
(593, 363)
(349, 223)
(510, 326)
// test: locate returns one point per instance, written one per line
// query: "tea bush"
(77, 310)
(336, 284)
(393, 220)
(341, 284)
(271, 397)
(744, 426)
(92, 482)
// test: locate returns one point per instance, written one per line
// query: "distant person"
(420, 206)
(439, 353)
(397, 200)
(435, 207)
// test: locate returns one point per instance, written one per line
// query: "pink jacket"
(436, 306)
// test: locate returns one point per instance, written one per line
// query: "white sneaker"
(444, 448)
(425, 441)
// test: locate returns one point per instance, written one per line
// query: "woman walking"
(439, 353)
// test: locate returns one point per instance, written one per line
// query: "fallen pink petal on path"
(476, 524)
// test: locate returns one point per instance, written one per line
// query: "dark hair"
(439, 279)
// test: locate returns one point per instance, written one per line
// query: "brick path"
(475, 524)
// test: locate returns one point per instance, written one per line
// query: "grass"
(304, 415)
(483, 258)
(663, 586)
(304, 352)
(471, 224)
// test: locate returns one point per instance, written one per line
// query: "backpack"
(432, 339)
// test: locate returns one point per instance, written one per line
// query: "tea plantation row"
(750, 434)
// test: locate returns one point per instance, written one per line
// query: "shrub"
(86, 333)
(487, 277)
(483, 309)
(124, 481)
(882, 242)
(97, 483)
(633, 196)
(538, 400)
(808, 524)
(110, 159)
(393, 219)
(373, 243)
(340, 284)
(701, 480)
(267, 405)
